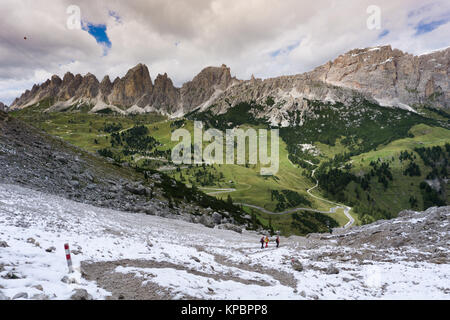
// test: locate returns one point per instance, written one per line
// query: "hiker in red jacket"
(262, 242)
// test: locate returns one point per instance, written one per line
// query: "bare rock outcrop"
(106, 87)
(427, 230)
(134, 88)
(165, 96)
(70, 85)
(204, 85)
(88, 88)
(392, 77)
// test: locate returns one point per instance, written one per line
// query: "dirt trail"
(129, 286)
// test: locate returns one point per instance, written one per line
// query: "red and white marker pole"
(68, 258)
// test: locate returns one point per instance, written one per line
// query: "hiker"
(266, 241)
(262, 242)
(278, 241)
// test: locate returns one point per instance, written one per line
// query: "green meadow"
(110, 135)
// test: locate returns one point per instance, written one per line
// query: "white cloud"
(182, 37)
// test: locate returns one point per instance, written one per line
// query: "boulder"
(81, 294)
(217, 217)
(207, 221)
(40, 296)
(38, 287)
(20, 295)
(296, 265)
(11, 276)
(229, 226)
(68, 280)
(332, 270)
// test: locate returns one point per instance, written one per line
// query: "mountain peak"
(106, 79)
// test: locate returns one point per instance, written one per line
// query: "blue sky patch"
(425, 27)
(275, 53)
(98, 31)
(285, 50)
(383, 33)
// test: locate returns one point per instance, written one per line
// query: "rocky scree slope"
(427, 232)
(31, 158)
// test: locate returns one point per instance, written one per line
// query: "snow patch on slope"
(212, 264)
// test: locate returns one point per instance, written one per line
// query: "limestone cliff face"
(105, 88)
(204, 85)
(134, 92)
(69, 86)
(391, 76)
(134, 88)
(89, 87)
(288, 94)
(3, 107)
(381, 74)
(165, 96)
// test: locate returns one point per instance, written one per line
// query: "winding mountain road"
(347, 209)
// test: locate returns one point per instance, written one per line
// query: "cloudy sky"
(262, 37)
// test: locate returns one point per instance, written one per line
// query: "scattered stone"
(296, 265)
(207, 221)
(81, 294)
(74, 183)
(217, 217)
(40, 296)
(31, 240)
(3, 244)
(38, 287)
(68, 280)
(331, 270)
(136, 189)
(51, 249)
(229, 226)
(11, 276)
(21, 295)
(195, 259)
